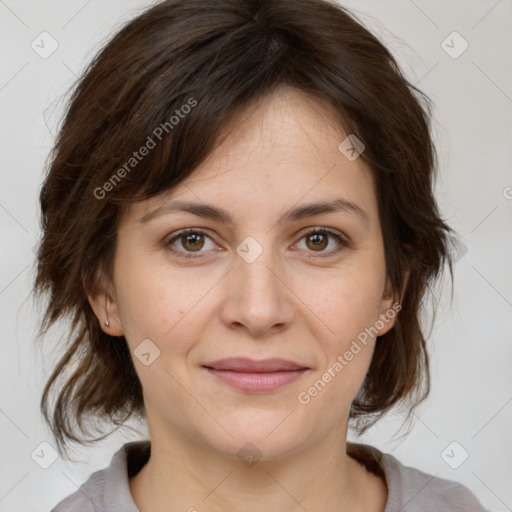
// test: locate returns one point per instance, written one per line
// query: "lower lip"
(257, 382)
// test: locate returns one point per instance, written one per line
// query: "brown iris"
(192, 241)
(317, 237)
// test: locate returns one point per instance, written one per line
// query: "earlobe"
(390, 305)
(390, 294)
(105, 309)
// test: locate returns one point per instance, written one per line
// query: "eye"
(318, 239)
(190, 240)
(193, 240)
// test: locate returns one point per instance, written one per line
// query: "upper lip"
(244, 364)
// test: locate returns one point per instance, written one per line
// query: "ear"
(102, 299)
(390, 305)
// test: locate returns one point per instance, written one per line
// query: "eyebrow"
(207, 211)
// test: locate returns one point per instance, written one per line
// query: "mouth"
(256, 376)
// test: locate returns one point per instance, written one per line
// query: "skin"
(298, 300)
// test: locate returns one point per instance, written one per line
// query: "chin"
(262, 436)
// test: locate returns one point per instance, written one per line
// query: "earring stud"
(107, 323)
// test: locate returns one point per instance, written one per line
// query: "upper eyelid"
(303, 232)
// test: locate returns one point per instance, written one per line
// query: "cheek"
(144, 298)
(348, 304)
(346, 354)
(158, 303)
(347, 301)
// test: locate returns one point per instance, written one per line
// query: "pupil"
(192, 240)
(317, 237)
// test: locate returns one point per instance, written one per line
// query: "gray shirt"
(409, 489)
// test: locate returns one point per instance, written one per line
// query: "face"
(308, 288)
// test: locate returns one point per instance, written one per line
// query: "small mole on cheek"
(180, 311)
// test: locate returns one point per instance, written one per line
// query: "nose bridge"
(257, 296)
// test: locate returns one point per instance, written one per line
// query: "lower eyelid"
(343, 243)
(332, 234)
(168, 242)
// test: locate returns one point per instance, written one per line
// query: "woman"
(239, 217)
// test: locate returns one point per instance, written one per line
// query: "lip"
(245, 364)
(255, 376)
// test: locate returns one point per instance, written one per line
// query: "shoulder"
(88, 498)
(413, 490)
(107, 490)
(423, 491)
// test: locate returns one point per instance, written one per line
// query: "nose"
(258, 299)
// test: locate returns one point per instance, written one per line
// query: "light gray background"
(471, 345)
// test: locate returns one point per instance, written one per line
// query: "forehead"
(280, 151)
(287, 123)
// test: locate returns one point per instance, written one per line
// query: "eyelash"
(187, 255)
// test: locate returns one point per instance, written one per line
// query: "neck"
(183, 475)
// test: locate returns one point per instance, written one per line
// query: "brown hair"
(217, 57)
